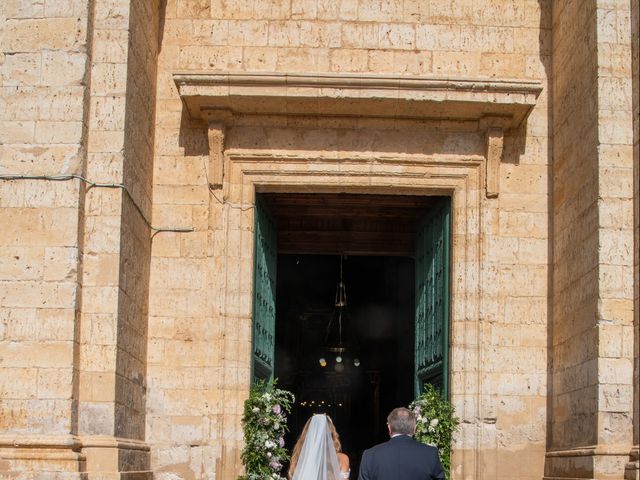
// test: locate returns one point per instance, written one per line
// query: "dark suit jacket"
(401, 458)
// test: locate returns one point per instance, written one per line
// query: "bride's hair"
(298, 447)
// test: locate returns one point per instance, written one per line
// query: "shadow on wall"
(545, 59)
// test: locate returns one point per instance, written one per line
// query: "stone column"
(633, 467)
(592, 330)
(116, 245)
(43, 65)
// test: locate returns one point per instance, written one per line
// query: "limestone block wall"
(136, 235)
(591, 332)
(199, 309)
(575, 183)
(43, 62)
(634, 466)
(78, 86)
(117, 241)
(117, 339)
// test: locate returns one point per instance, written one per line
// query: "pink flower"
(281, 442)
(277, 409)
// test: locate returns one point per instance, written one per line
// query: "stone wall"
(78, 90)
(43, 66)
(200, 307)
(136, 236)
(591, 332)
(125, 348)
(633, 468)
(575, 185)
(117, 239)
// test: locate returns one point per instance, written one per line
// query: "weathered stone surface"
(125, 336)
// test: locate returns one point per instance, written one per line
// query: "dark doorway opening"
(395, 267)
(378, 329)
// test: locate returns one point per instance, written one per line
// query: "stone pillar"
(592, 329)
(633, 467)
(116, 244)
(43, 66)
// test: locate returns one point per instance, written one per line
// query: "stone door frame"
(266, 171)
(239, 167)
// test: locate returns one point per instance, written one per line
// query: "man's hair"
(401, 420)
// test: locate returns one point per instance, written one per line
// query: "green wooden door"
(264, 298)
(432, 298)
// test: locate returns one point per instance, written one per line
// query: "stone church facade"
(135, 136)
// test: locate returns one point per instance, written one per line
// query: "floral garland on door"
(435, 423)
(265, 423)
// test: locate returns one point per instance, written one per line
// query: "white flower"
(255, 410)
(276, 426)
(433, 423)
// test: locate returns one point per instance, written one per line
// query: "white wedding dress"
(318, 458)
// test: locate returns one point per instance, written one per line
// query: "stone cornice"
(380, 96)
(493, 105)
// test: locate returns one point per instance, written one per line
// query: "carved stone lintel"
(356, 94)
(495, 144)
(217, 121)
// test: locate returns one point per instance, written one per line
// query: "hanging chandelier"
(336, 351)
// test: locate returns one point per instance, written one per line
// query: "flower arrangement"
(435, 423)
(265, 423)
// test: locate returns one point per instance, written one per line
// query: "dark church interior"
(374, 371)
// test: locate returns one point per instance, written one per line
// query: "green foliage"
(265, 422)
(435, 423)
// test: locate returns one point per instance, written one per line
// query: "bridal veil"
(318, 458)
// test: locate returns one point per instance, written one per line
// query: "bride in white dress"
(317, 454)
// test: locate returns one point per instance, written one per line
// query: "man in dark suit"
(402, 457)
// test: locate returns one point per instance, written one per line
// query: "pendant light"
(336, 348)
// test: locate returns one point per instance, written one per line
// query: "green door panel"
(432, 298)
(264, 299)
